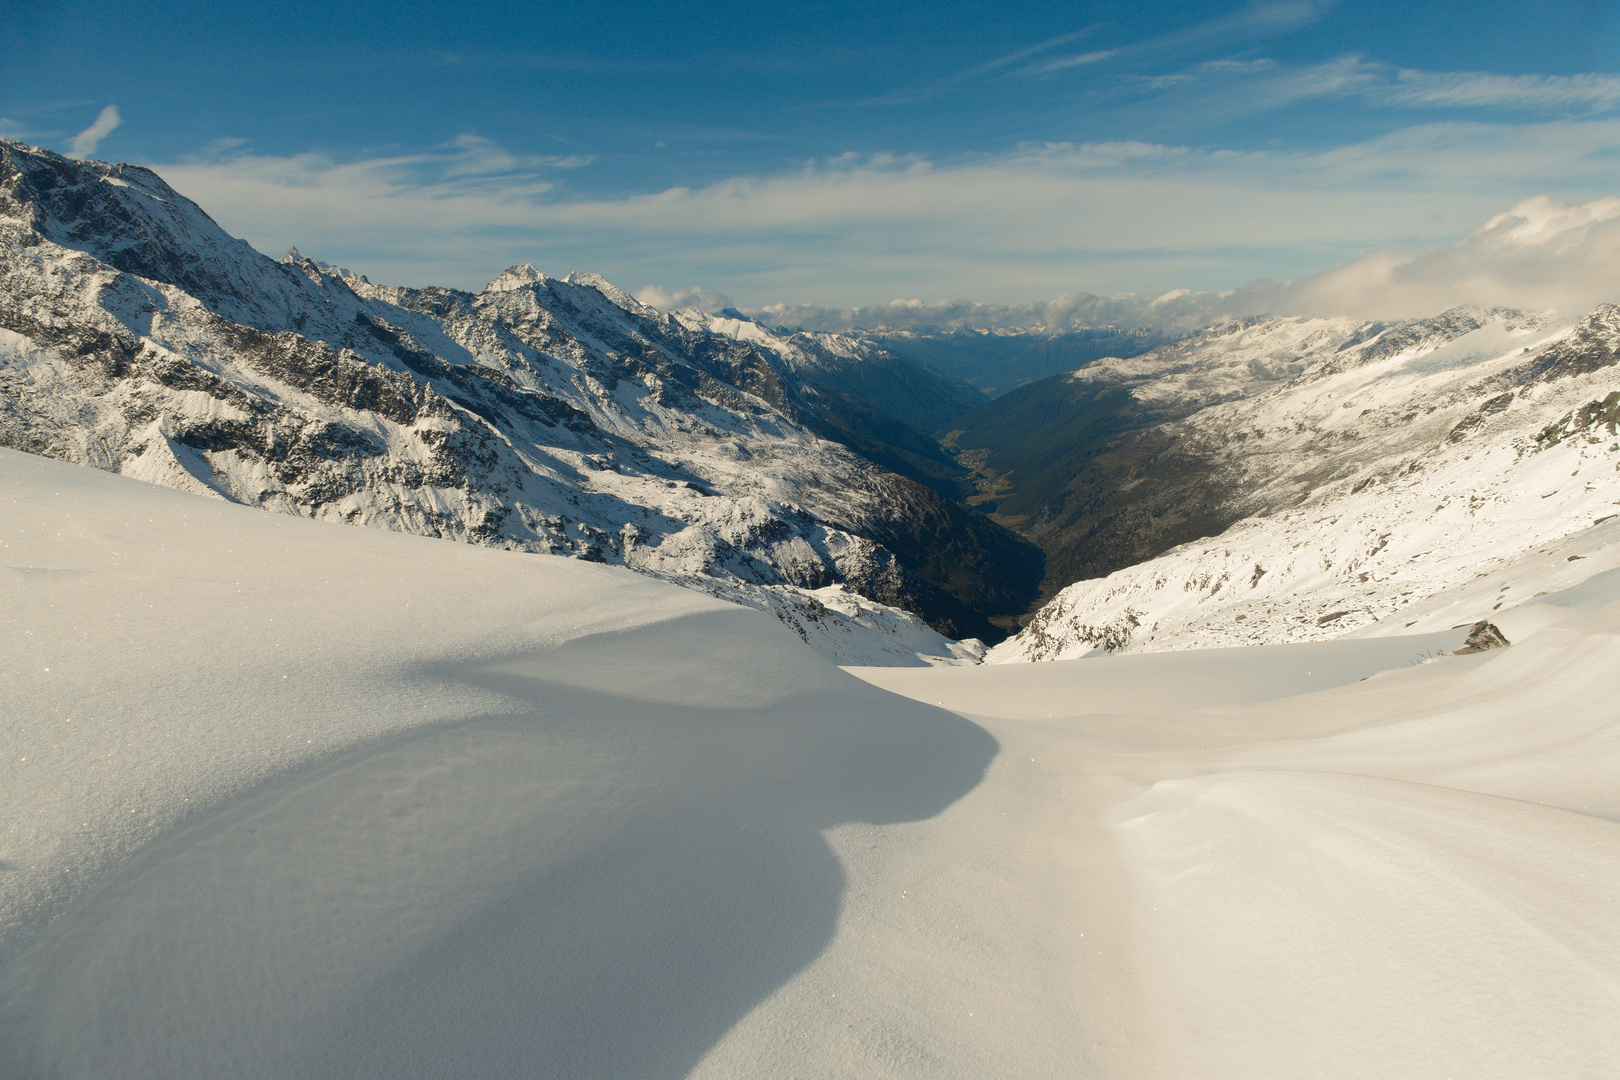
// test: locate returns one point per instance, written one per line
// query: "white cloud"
(1543, 253)
(694, 297)
(85, 142)
(1254, 22)
(1099, 218)
(916, 94)
(1226, 88)
(1063, 62)
(1467, 89)
(218, 148)
(478, 156)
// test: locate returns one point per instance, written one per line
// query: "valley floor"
(287, 798)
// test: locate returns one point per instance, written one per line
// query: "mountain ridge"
(546, 414)
(1404, 460)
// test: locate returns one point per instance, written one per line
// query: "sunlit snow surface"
(284, 798)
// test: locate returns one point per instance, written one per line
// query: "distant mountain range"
(998, 361)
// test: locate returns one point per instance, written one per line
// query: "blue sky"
(835, 153)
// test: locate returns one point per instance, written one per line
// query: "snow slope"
(1381, 473)
(267, 765)
(1224, 871)
(284, 798)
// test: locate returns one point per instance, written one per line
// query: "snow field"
(1408, 874)
(405, 808)
(456, 810)
(165, 650)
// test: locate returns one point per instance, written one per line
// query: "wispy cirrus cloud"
(85, 142)
(1245, 27)
(1229, 87)
(914, 95)
(1064, 62)
(1226, 88)
(1428, 89)
(1250, 24)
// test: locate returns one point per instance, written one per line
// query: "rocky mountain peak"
(1603, 323)
(615, 294)
(1389, 467)
(516, 277)
(1594, 344)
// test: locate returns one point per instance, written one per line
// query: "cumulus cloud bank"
(1542, 253)
(695, 297)
(85, 142)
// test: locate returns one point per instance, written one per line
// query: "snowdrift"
(283, 798)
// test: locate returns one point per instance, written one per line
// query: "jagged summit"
(609, 290)
(516, 277)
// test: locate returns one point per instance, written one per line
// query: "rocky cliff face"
(542, 414)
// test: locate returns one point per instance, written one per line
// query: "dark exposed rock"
(1476, 419)
(1483, 635)
(1593, 417)
(1594, 345)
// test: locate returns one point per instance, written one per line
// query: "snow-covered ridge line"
(543, 414)
(1380, 472)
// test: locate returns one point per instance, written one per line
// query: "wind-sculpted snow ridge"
(624, 783)
(542, 414)
(1376, 474)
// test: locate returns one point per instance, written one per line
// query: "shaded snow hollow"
(282, 798)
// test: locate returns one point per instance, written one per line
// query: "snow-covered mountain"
(542, 414)
(1344, 470)
(1335, 476)
(285, 799)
